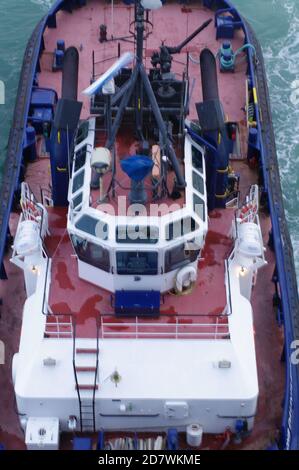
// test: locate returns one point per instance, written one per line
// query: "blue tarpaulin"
(137, 166)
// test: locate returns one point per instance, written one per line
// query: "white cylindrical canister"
(194, 435)
(27, 239)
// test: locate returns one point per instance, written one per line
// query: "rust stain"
(88, 309)
(61, 307)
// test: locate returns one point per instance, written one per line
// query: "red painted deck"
(82, 31)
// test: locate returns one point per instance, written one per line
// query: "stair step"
(86, 351)
(87, 387)
(85, 369)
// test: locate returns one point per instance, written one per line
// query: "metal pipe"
(177, 49)
(161, 124)
(122, 107)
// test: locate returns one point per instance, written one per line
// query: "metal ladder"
(86, 389)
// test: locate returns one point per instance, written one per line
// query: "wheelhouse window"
(82, 132)
(137, 234)
(91, 253)
(180, 228)
(198, 182)
(78, 181)
(77, 200)
(80, 158)
(178, 257)
(197, 161)
(137, 262)
(93, 226)
(199, 207)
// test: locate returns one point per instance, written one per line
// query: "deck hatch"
(137, 303)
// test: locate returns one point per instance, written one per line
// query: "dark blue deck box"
(137, 303)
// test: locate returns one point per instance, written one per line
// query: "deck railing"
(215, 327)
(59, 326)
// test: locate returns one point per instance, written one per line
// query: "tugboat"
(141, 205)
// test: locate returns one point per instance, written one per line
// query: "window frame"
(171, 266)
(88, 260)
(141, 271)
(93, 232)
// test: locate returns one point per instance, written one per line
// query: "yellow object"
(186, 291)
(223, 171)
(58, 136)
(61, 169)
(222, 196)
(254, 95)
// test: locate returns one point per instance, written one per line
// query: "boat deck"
(166, 28)
(87, 303)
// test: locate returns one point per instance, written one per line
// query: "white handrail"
(137, 329)
(56, 328)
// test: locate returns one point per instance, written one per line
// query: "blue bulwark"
(137, 303)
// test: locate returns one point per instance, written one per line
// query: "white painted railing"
(59, 326)
(177, 329)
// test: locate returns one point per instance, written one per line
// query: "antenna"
(137, 86)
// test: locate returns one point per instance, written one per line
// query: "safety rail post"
(75, 372)
(102, 326)
(95, 377)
